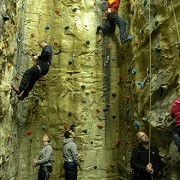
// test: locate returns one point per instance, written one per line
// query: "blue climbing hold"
(138, 124)
(140, 83)
(129, 38)
(44, 127)
(134, 71)
(113, 59)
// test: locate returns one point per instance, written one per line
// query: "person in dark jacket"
(113, 18)
(70, 155)
(33, 74)
(45, 159)
(143, 167)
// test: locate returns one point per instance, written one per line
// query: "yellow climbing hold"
(93, 91)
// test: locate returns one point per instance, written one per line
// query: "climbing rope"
(175, 19)
(150, 78)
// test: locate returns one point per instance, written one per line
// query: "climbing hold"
(47, 27)
(6, 17)
(93, 91)
(92, 142)
(140, 83)
(118, 143)
(156, 23)
(66, 127)
(69, 114)
(6, 90)
(95, 167)
(113, 59)
(57, 11)
(128, 127)
(29, 132)
(84, 131)
(99, 39)
(128, 97)
(114, 116)
(100, 126)
(56, 43)
(114, 95)
(142, 31)
(83, 86)
(157, 48)
(112, 165)
(67, 27)
(9, 65)
(87, 42)
(129, 38)
(74, 9)
(105, 110)
(10, 137)
(110, 45)
(70, 62)
(98, 109)
(134, 71)
(121, 77)
(145, 119)
(32, 34)
(138, 124)
(145, 2)
(44, 127)
(3, 46)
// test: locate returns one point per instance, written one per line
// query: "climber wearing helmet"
(33, 74)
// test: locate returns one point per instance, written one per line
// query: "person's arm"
(75, 155)
(135, 164)
(46, 54)
(46, 158)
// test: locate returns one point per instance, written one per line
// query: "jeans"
(113, 19)
(70, 171)
(32, 75)
(44, 172)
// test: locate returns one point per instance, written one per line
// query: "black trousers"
(32, 75)
(44, 172)
(70, 171)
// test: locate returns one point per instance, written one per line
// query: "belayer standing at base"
(113, 18)
(33, 74)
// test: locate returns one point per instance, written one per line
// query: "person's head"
(46, 138)
(42, 43)
(142, 137)
(69, 134)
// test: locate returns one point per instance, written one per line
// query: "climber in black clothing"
(33, 74)
(143, 168)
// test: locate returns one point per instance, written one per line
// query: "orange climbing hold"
(32, 34)
(66, 127)
(98, 109)
(100, 126)
(57, 11)
(93, 91)
(99, 39)
(3, 46)
(6, 90)
(110, 45)
(9, 65)
(29, 132)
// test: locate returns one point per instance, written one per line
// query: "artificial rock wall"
(102, 88)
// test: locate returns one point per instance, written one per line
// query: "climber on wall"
(175, 113)
(45, 159)
(33, 74)
(70, 154)
(113, 18)
(142, 168)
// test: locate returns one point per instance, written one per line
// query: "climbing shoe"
(128, 39)
(98, 29)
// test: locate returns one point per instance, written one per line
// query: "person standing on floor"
(70, 155)
(45, 160)
(33, 74)
(143, 167)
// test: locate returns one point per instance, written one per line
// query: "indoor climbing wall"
(150, 68)
(73, 93)
(8, 127)
(95, 83)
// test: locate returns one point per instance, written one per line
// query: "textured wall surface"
(103, 88)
